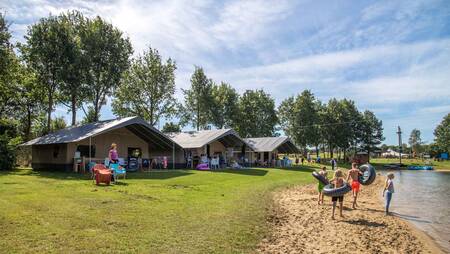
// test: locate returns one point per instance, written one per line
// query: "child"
(354, 174)
(320, 186)
(389, 189)
(338, 181)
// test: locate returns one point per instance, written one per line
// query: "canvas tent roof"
(268, 144)
(198, 139)
(136, 125)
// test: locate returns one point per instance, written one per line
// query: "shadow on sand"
(409, 217)
(364, 222)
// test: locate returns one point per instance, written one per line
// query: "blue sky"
(391, 57)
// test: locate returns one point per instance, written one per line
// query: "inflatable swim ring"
(330, 191)
(320, 178)
(368, 175)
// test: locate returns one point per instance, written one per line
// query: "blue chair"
(117, 171)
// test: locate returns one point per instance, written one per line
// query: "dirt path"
(300, 225)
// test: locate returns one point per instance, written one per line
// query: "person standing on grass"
(338, 182)
(333, 164)
(354, 174)
(113, 156)
(389, 190)
(320, 186)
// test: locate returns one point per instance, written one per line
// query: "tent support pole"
(90, 152)
(173, 155)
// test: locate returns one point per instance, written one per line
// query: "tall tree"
(8, 71)
(44, 52)
(442, 134)
(415, 141)
(31, 101)
(147, 89)
(108, 54)
(224, 109)
(198, 100)
(73, 89)
(258, 117)
(329, 116)
(299, 118)
(372, 132)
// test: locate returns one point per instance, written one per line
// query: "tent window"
(55, 151)
(84, 151)
(134, 152)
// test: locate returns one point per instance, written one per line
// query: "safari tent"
(135, 138)
(266, 150)
(221, 142)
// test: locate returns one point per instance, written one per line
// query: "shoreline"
(299, 225)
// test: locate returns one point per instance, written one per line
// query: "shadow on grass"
(244, 171)
(303, 168)
(87, 176)
(364, 222)
(158, 175)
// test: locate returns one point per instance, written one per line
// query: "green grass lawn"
(182, 211)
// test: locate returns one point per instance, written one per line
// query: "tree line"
(80, 62)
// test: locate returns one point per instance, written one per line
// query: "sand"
(300, 225)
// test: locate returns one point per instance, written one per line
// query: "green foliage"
(31, 101)
(58, 123)
(257, 117)
(415, 141)
(8, 71)
(225, 108)
(108, 54)
(371, 131)
(8, 144)
(442, 134)
(171, 127)
(72, 85)
(198, 100)
(45, 52)
(90, 115)
(299, 118)
(147, 89)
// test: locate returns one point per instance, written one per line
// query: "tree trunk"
(331, 150)
(198, 116)
(49, 113)
(74, 109)
(317, 150)
(28, 125)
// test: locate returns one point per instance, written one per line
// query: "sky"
(390, 57)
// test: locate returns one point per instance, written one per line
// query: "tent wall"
(122, 137)
(43, 155)
(50, 157)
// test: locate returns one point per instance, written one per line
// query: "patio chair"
(102, 176)
(215, 163)
(117, 171)
(95, 168)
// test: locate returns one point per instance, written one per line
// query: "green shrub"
(8, 144)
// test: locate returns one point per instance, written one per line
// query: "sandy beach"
(300, 225)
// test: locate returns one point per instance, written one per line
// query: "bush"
(7, 153)
(8, 144)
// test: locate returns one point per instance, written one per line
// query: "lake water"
(423, 198)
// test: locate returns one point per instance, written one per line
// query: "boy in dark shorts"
(338, 181)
